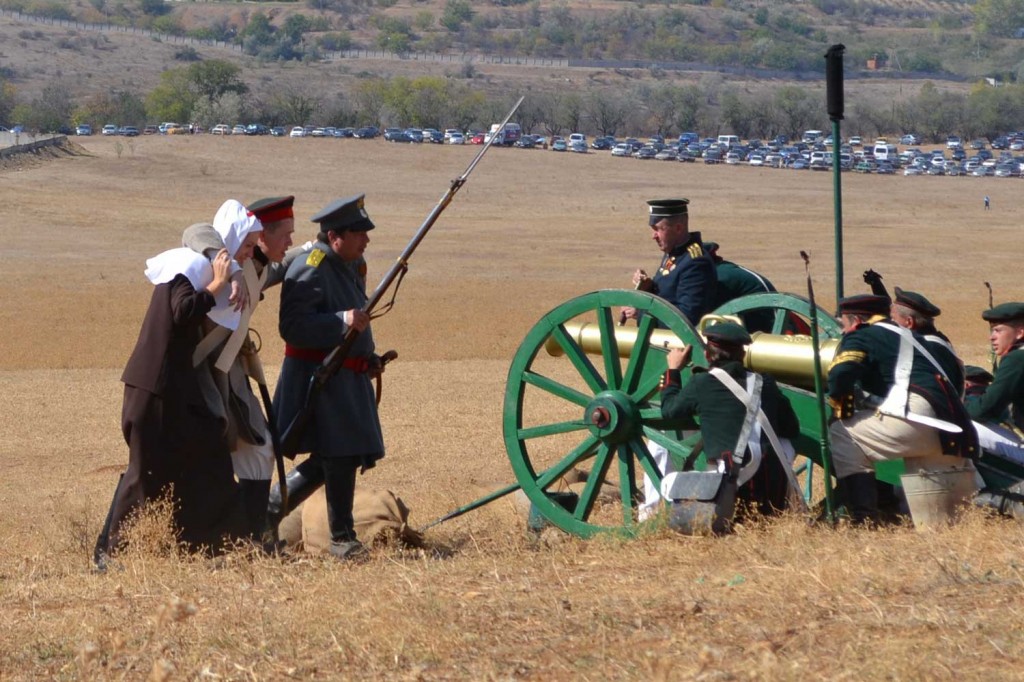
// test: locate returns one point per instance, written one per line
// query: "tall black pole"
(834, 97)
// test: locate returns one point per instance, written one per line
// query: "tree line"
(208, 92)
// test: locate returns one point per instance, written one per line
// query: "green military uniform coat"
(705, 402)
(867, 358)
(1006, 391)
(735, 281)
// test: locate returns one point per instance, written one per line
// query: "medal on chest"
(669, 265)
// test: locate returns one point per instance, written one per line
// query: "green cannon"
(583, 396)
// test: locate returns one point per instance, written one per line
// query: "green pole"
(837, 201)
(834, 102)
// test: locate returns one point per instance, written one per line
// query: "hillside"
(627, 52)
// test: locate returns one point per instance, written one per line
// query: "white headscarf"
(166, 266)
(234, 223)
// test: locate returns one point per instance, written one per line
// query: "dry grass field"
(531, 229)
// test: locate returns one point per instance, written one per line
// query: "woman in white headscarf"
(176, 443)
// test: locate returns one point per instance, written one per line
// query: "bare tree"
(607, 111)
(297, 106)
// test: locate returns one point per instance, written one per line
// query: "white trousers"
(652, 495)
(254, 462)
(868, 437)
(1000, 440)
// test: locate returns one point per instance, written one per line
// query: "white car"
(221, 129)
(911, 170)
(856, 141)
(297, 131)
(455, 137)
(109, 129)
(622, 149)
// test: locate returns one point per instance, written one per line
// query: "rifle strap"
(386, 308)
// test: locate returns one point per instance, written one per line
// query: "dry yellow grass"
(529, 231)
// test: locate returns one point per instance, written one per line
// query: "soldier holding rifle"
(322, 299)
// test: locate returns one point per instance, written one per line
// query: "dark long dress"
(175, 441)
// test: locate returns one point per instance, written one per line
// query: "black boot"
(862, 498)
(1004, 502)
(301, 482)
(255, 494)
(340, 482)
(890, 505)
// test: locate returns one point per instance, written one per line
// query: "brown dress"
(175, 441)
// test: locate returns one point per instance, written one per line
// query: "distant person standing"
(986, 202)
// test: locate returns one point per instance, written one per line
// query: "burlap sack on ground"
(381, 517)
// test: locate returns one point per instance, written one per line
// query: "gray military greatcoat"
(317, 290)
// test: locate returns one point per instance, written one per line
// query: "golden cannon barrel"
(790, 359)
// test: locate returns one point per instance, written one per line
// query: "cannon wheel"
(784, 306)
(561, 415)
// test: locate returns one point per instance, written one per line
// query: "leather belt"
(357, 365)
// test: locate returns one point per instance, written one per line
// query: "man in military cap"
(1006, 324)
(231, 355)
(999, 411)
(686, 279)
(322, 299)
(735, 281)
(913, 311)
(976, 383)
(890, 401)
(719, 397)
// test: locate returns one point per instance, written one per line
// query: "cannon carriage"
(582, 400)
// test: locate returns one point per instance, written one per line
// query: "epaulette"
(695, 251)
(315, 257)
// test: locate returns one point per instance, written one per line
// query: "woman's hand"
(221, 272)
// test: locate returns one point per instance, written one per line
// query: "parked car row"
(814, 151)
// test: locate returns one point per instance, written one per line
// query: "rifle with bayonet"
(292, 436)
